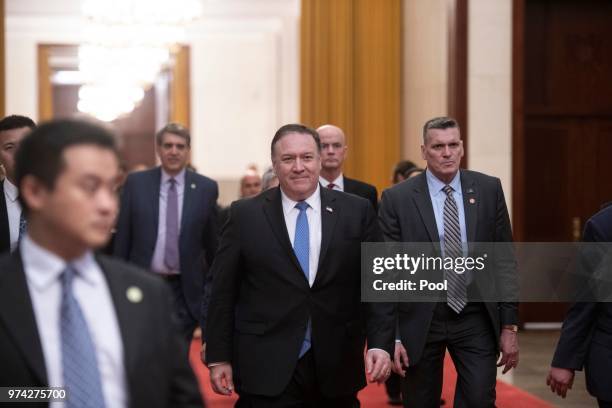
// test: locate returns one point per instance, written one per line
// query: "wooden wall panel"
(351, 77)
(180, 97)
(458, 68)
(2, 61)
(45, 90)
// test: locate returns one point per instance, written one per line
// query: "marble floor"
(536, 350)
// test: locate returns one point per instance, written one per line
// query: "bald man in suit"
(333, 154)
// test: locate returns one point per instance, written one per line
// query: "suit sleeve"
(123, 235)
(505, 267)
(580, 320)
(387, 217)
(210, 241)
(211, 230)
(184, 391)
(373, 197)
(225, 274)
(380, 316)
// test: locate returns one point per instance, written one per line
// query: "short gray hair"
(441, 122)
(175, 129)
(267, 178)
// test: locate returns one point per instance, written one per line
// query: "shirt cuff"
(217, 364)
(384, 351)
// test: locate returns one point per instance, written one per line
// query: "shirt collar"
(314, 201)
(436, 185)
(42, 267)
(10, 190)
(180, 177)
(338, 182)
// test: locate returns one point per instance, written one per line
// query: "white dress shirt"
(43, 271)
(338, 182)
(13, 209)
(157, 263)
(313, 213)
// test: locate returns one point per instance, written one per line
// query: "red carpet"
(374, 396)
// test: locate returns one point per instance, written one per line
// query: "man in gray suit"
(452, 208)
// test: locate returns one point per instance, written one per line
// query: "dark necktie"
(331, 186)
(301, 247)
(23, 225)
(79, 361)
(456, 295)
(171, 251)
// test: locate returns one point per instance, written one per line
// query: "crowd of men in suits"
(276, 289)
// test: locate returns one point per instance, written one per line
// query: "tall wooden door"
(566, 123)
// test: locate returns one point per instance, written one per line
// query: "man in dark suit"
(333, 153)
(586, 336)
(452, 208)
(68, 318)
(285, 320)
(168, 223)
(12, 225)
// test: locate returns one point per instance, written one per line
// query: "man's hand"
(221, 378)
(508, 344)
(378, 365)
(400, 359)
(203, 353)
(560, 380)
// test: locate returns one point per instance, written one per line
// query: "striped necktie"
(23, 226)
(79, 358)
(456, 295)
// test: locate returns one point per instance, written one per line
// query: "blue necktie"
(301, 247)
(79, 363)
(23, 225)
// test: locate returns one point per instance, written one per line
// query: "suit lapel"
(188, 195)
(273, 209)
(18, 315)
(425, 207)
(329, 216)
(349, 187)
(154, 200)
(470, 205)
(128, 316)
(5, 235)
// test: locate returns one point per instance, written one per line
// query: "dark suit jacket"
(138, 222)
(5, 235)
(261, 300)
(361, 189)
(406, 215)
(586, 336)
(157, 371)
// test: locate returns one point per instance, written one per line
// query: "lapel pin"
(329, 209)
(193, 186)
(134, 294)
(472, 200)
(470, 191)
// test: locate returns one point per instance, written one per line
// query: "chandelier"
(128, 43)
